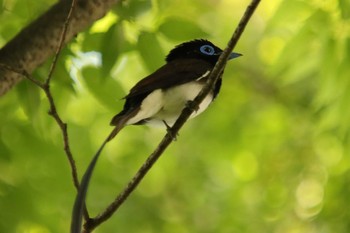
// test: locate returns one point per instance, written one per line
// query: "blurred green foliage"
(270, 155)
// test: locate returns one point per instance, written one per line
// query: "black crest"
(192, 49)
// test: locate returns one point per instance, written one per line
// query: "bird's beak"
(234, 55)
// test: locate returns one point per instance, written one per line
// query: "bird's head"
(198, 49)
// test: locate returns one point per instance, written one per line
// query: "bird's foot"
(189, 105)
(170, 131)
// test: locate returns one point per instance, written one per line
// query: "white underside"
(166, 105)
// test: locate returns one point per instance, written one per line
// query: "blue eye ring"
(207, 50)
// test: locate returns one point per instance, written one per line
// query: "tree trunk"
(34, 44)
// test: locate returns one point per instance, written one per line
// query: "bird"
(159, 98)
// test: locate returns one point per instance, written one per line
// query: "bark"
(34, 44)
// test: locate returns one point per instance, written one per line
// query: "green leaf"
(2, 8)
(130, 10)
(62, 77)
(113, 44)
(4, 152)
(106, 90)
(344, 6)
(151, 52)
(291, 11)
(92, 41)
(295, 49)
(29, 97)
(181, 29)
(109, 51)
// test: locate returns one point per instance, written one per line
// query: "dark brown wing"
(172, 74)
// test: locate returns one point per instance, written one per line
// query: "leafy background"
(270, 155)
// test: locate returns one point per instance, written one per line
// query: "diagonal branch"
(166, 141)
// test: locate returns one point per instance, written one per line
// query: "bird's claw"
(170, 131)
(189, 105)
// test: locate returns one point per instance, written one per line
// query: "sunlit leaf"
(4, 152)
(181, 29)
(113, 44)
(344, 6)
(131, 9)
(92, 41)
(106, 91)
(62, 76)
(29, 96)
(109, 50)
(291, 11)
(150, 50)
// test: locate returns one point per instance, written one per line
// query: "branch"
(45, 86)
(59, 47)
(33, 45)
(186, 113)
(53, 110)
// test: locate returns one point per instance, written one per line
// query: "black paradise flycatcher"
(160, 98)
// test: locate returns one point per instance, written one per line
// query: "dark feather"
(172, 74)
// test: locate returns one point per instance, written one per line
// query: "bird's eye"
(207, 50)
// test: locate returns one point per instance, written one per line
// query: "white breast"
(150, 106)
(175, 99)
(166, 105)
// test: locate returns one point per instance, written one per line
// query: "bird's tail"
(120, 120)
(115, 131)
(79, 204)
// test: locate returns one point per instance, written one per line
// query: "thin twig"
(53, 111)
(60, 44)
(186, 113)
(45, 86)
